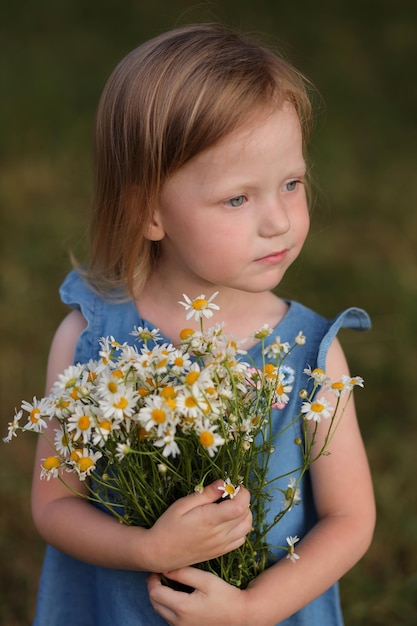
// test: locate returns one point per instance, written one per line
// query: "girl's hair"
(168, 100)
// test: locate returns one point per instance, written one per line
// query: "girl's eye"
(291, 185)
(237, 201)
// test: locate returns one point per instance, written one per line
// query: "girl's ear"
(155, 231)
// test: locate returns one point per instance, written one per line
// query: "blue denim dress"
(73, 592)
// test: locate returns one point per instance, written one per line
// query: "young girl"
(200, 187)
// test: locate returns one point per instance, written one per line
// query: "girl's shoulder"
(104, 316)
(319, 332)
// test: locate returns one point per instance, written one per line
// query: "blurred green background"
(362, 56)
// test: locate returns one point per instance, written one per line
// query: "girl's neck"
(241, 312)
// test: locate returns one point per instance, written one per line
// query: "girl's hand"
(213, 601)
(197, 528)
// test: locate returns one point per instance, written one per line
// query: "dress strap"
(354, 318)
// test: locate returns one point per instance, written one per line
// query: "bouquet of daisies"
(148, 423)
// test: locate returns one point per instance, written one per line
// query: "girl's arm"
(345, 506)
(192, 530)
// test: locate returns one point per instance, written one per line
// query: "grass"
(361, 251)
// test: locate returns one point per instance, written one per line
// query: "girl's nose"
(274, 219)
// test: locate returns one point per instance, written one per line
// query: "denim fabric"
(75, 592)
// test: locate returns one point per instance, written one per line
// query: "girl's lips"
(273, 258)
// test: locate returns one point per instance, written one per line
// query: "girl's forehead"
(261, 130)
(264, 141)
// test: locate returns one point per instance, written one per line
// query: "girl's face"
(235, 216)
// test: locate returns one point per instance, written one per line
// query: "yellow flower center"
(122, 404)
(229, 489)
(50, 463)
(206, 438)
(186, 333)
(76, 455)
(168, 392)
(338, 385)
(270, 370)
(159, 416)
(289, 493)
(112, 386)
(85, 463)
(192, 377)
(75, 393)
(34, 416)
(117, 374)
(179, 361)
(65, 440)
(105, 425)
(142, 391)
(319, 371)
(199, 303)
(317, 407)
(280, 389)
(61, 404)
(190, 402)
(84, 422)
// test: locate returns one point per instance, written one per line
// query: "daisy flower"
(109, 383)
(160, 358)
(36, 409)
(352, 381)
(108, 346)
(292, 556)
(143, 363)
(180, 362)
(276, 348)
(13, 427)
(62, 442)
(263, 332)
(317, 374)
(155, 414)
(145, 334)
(317, 410)
(192, 403)
(123, 449)
(85, 461)
(199, 307)
(102, 432)
(50, 467)
(209, 439)
(291, 495)
(71, 377)
(198, 343)
(168, 443)
(281, 393)
(80, 423)
(270, 373)
(121, 405)
(300, 339)
(229, 490)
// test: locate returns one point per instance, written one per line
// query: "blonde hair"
(169, 99)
